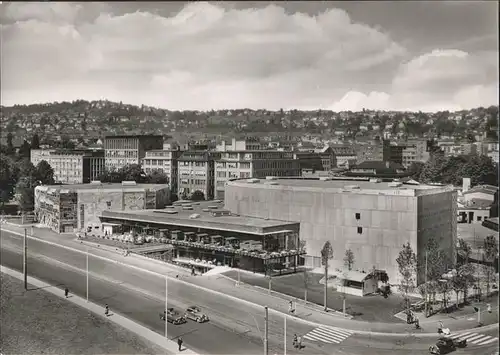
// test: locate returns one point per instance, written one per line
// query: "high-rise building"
(196, 173)
(71, 166)
(127, 150)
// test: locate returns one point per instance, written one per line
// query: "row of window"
(122, 153)
(193, 163)
(193, 181)
(165, 162)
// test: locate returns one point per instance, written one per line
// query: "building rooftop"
(104, 186)
(133, 136)
(200, 216)
(341, 185)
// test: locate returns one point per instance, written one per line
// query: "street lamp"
(25, 259)
(87, 267)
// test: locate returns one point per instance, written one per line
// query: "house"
(355, 283)
(481, 192)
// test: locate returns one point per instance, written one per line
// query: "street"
(234, 328)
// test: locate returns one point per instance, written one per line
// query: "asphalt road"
(235, 328)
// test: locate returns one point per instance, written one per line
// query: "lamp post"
(284, 335)
(166, 305)
(87, 268)
(25, 259)
(266, 340)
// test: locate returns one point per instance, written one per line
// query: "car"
(194, 313)
(445, 345)
(173, 316)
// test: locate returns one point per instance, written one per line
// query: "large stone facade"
(373, 223)
(78, 207)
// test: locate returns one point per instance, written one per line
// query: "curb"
(118, 319)
(255, 305)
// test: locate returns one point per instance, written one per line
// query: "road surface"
(235, 328)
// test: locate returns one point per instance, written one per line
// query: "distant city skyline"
(428, 56)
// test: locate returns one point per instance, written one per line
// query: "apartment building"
(240, 145)
(71, 166)
(196, 172)
(253, 164)
(415, 151)
(165, 161)
(316, 159)
(125, 150)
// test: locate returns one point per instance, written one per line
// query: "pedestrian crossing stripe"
(475, 338)
(328, 334)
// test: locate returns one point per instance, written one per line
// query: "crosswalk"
(328, 334)
(475, 338)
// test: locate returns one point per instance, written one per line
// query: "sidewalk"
(220, 284)
(170, 346)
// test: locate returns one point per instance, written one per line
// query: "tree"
(326, 256)
(157, 177)
(25, 194)
(349, 259)
(197, 196)
(7, 179)
(491, 253)
(10, 146)
(306, 276)
(462, 278)
(45, 173)
(415, 170)
(438, 263)
(407, 266)
(35, 142)
(25, 150)
(132, 172)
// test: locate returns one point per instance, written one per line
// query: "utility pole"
(426, 297)
(266, 342)
(284, 340)
(166, 305)
(87, 267)
(25, 259)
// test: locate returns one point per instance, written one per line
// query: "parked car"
(194, 313)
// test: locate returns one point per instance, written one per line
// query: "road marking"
(475, 338)
(328, 335)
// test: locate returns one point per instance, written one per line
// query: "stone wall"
(386, 221)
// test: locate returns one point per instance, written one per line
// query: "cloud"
(206, 56)
(438, 80)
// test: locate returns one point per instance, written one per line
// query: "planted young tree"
(326, 256)
(464, 276)
(438, 263)
(305, 272)
(490, 252)
(407, 266)
(349, 259)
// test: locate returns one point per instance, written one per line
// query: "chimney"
(465, 184)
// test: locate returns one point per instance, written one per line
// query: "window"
(479, 218)
(358, 216)
(360, 230)
(108, 203)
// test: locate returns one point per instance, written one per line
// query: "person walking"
(66, 292)
(291, 310)
(106, 312)
(179, 342)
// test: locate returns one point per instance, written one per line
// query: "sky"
(349, 55)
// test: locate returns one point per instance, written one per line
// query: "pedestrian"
(179, 342)
(290, 307)
(106, 312)
(193, 272)
(66, 292)
(299, 343)
(488, 306)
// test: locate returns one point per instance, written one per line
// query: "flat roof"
(309, 184)
(101, 186)
(205, 220)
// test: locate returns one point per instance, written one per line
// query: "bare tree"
(326, 256)
(349, 259)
